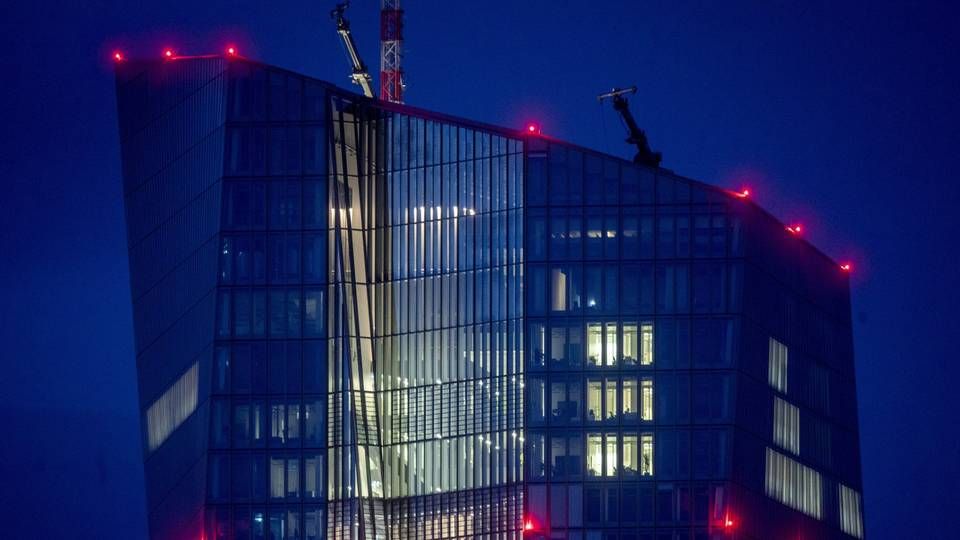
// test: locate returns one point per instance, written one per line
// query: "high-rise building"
(357, 319)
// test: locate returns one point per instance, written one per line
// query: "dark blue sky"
(842, 115)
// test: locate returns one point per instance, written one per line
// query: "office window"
(611, 455)
(594, 454)
(594, 400)
(172, 408)
(646, 400)
(777, 365)
(786, 425)
(630, 344)
(538, 456)
(537, 400)
(630, 399)
(538, 345)
(630, 465)
(793, 484)
(594, 344)
(851, 518)
(646, 344)
(610, 354)
(610, 399)
(646, 454)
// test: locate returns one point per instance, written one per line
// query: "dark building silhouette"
(363, 320)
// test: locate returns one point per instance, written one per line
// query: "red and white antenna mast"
(391, 51)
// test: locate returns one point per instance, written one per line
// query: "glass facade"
(361, 320)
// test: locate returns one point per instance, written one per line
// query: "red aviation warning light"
(168, 53)
(231, 50)
(796, 228)
(117, 56)
(846, 267)
(533, 129)
(743, 193)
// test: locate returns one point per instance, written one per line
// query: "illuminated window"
(630, 344)
(594, 343)
(646, 454)
(630, 455)
(646, 400)
(558, 291)
(594, 454)
(786, 425)
(594, 401)
(611, 455)
(793, 484)
(851, 519)
(610, 393)
(777, 365)
(630, 397)
(172, 408)
(646, 344)
(610, 358)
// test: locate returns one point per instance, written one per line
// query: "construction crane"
(635, 135)
(392, 82)
(360, 74)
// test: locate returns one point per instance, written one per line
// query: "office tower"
(357, 319)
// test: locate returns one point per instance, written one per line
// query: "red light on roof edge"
(231, 50)
(118, 56)
(533, 129)
(168, 53)
(846, 267)
(743, 193)
(796, 228)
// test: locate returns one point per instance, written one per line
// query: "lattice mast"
(391, 51)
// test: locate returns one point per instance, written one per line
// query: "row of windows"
(463, 298)
(609, 400)
(274, 312)
(633, 288)
(277, 423)
(561, 506)
(449, 245)
(625, 233)
(453, 463)
(461, 189)
(627, 344)
(290, 367)
(565, 455)
(258, 94)
(280, 204)
(451, 409)
(609, 344)
(243, 477)
(449, 354)
(493, 513)
(578, 178)
(417, 142)
(289, 522)
(275, 258)
(276, 151)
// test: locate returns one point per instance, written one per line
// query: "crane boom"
(635, 135)
(360, 74)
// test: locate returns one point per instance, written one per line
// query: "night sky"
(844, 116)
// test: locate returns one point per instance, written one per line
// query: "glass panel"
(646, 391)
(646, 454)
(594, 454)
(611, 344)
(611, 455)
(630, 455)
(630, 344)
(630, 397)
(594, 401)
(646, 344)
(594, 344)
